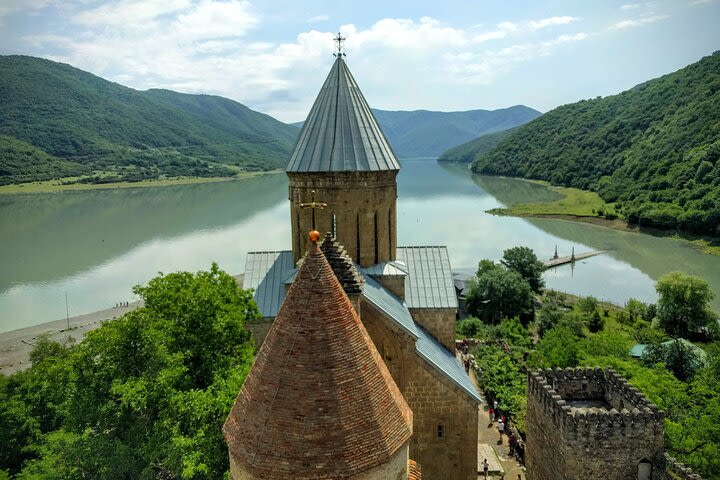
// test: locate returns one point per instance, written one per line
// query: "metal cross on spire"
(339, 40)
(312, 205)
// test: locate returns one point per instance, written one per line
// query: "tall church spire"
(341, 133)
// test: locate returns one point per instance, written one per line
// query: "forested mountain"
(423, 133)
(653, 149)
(472, 150)
(75, 122)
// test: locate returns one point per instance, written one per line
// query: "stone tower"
(342, 155)
(589, 424)
(319, 402)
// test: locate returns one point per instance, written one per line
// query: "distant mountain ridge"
(654, 149)
(472, 150)
(425, 133)
(79, 123)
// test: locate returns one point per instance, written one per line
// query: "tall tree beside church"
(498, 292)
(143, 396)
(524, 261)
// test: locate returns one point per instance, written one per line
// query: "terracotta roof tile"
(414, 472)
(319, 401)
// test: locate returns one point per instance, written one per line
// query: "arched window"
(644, 470)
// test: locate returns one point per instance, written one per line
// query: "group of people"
(503, 428)
(122, 304)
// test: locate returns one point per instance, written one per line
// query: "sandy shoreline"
(15, 345)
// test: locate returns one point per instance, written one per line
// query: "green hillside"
(422, 133)
(127, 134)
(470, 151)
(653, 149)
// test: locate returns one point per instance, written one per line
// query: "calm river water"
(95, 245)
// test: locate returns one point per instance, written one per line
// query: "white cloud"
(635, 6)
(701, 2)
(621, 25)
(551, 22)
(318, 18)
(206, 47)
(13, 6)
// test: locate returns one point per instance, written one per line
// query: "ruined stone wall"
(435, 402)
(363, 203)
(677, 471)
(573, 443)
(440, 322)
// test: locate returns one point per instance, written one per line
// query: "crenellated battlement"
(589, 409)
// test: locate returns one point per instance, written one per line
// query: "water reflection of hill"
(418, 178)
(47, 237)
(509, 191)
(654, 256)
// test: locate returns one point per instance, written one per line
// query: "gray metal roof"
(341, 133)
(427, 347)
(386, 269)
(429, 283)
(265, 273)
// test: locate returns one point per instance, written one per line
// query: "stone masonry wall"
(259, 329)
(395, 469)
(434, 400)
(440, 322)
(358, 199)
(571, 442)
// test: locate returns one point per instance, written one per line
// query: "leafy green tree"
(558, 348)
(550, 314)
(524, 261)
(469, 327)
(145, 395)
(595, 324)
(500, 293)
(587, 305)
(678, 356)
(636, 309)
(607, 343)
(683, 307)
(514, 332)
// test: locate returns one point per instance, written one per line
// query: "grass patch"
(52, 186)
(573, 201)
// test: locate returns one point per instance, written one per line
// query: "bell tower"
(343, 156)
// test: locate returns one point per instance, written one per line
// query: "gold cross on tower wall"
(312, 205)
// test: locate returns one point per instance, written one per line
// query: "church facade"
(342, 180)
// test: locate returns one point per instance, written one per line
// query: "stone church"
(403, 296)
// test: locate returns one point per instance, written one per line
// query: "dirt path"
(488, 434)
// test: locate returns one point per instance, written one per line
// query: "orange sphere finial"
(314, 236)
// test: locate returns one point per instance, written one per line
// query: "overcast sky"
(446, 55)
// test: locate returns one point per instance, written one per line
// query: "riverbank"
(53, 186)
(583, 206)
(16, 345)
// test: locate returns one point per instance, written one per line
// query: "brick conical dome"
(319, 402)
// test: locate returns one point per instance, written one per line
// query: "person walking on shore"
(486, 468)
(501, 430)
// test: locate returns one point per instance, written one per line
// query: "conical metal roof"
(341, 133)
